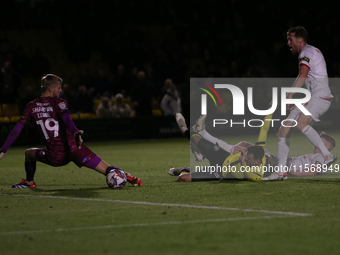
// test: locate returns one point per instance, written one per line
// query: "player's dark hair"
(49, 80)
(328, 138)
(257, 151)
(300, 32)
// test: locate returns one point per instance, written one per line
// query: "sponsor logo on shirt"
(62, 105)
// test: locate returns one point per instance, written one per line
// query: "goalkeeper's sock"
(282, 154)
(30, 168)
(315, 139)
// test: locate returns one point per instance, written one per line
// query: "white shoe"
(176, 171)
(200, 124)
(275, 176)
(171, 171)
(181, 122)
(329, 159)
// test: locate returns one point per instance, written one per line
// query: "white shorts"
(316, 106)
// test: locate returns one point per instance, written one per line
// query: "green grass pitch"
(72, 211)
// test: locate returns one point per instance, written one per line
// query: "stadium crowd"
(147, 55)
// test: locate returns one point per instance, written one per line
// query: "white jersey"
(299, 163)
(317, 80)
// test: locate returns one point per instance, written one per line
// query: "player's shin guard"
(282, 154)
(315, 139)
(30, 168)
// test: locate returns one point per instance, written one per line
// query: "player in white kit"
(312, 73)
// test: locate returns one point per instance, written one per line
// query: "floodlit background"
(103, 48)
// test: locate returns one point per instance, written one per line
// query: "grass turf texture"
(73, 211)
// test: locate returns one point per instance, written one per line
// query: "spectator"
(142, 95)
(104, 109)
(121, 82)
(83, 102)
(103, 84)
(121, 109)
(87, 80)
(153, 80)
(171, 102)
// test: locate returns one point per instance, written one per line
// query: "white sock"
(282, 154)
(214, 140)
(315, 139)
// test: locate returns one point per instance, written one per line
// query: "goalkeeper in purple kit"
(63, 140)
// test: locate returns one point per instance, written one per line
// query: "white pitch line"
(166, 204)
(135, 225)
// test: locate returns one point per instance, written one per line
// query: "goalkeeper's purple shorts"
(80, 157)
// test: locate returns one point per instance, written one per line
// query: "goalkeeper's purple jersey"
(46, 113)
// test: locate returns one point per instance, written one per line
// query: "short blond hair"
(49, 80)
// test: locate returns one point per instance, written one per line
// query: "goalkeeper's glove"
(2, 154)
(135, 181)
(77, 136)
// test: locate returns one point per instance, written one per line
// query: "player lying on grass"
(63, 140)
(234, 163)
(306, 165)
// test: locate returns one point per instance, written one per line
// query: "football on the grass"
(116, 179)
